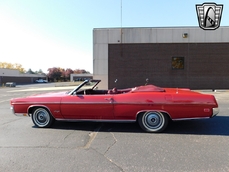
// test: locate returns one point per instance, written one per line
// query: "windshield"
(86, 85)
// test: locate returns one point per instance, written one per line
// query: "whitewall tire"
(42, 118)
(153, 121)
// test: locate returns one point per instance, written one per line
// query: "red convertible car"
(151, 106)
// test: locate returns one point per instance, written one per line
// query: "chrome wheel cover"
(153, 121)
(41, 117)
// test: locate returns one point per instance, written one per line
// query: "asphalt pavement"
(195, 145)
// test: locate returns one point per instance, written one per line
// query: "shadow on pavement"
(218, 125)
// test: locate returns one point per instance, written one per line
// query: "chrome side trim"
(35, 103)
(134, 103)
(96, 120)
(181, 119)
(118, 103)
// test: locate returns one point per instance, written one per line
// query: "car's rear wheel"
(42, 118)
(153, 121)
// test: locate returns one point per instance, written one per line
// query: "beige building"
(80, 77)
(169, 57)
(13, 75)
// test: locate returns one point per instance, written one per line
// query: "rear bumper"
(215, 111)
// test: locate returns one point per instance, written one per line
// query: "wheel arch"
(32, 107)
(144, 111)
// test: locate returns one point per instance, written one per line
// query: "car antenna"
(147, 80)
(116, 82)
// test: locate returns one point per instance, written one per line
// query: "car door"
(87, 107)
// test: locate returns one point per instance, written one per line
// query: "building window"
(177, 62)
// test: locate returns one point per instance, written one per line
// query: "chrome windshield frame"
(83, 84)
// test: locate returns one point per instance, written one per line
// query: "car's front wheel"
(42, 118)
(153, 121)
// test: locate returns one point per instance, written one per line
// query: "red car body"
(152, 107)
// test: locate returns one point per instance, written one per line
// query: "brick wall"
(206, 65)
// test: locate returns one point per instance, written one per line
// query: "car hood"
(51, 94)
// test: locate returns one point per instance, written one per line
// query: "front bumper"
(12, 110)
(18, 114)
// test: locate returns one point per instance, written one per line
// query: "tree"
(17, 66)
(54, 73)
(67, 73)
(60, 74)
(40, 71)
(80, 71)
(30, 72)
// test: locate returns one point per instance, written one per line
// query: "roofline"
(159, 27)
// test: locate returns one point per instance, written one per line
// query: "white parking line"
(44, 89)
(4, 101)
(92, 136)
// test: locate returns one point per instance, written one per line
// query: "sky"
(41, 34)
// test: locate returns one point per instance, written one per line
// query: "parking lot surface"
(195, 145)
